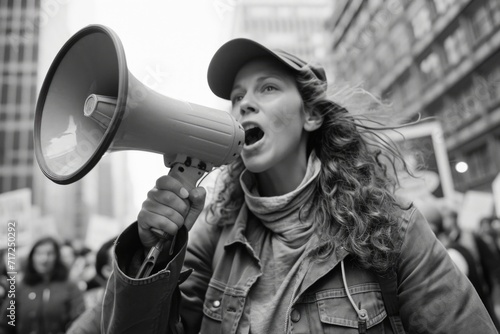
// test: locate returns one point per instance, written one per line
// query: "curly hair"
(59, 273)
(354, 205)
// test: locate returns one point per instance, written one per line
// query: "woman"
(304, 234)
(45, 301)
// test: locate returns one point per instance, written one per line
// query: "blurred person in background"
(90, 321)
(467, 250)
(4, 286)
(46, 301)
(68, 254)
(103, 268)
(489, 251)
(471, 254)
(79, 260)
(495, 226)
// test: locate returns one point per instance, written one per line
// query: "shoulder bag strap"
(389, 286)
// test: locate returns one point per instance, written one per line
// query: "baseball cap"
(233, 55)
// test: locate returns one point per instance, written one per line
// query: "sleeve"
(142, 305)
(434, 296)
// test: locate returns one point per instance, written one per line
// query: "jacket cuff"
(140, 305)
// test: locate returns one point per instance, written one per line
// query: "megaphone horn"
(86, 107)
(89, 105)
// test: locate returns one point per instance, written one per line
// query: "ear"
(313, 120)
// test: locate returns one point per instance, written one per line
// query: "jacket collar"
(316, 268)
(319, 268)
(237, 234)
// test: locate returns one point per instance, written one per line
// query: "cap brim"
(230, 58)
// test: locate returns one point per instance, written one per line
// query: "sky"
(168, 45)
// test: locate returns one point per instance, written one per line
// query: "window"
(16, 145)
(421, 23)
(6, 57)
(370, 68)
(373, 4)
(2, 148)
(455, 46)
(493, 79)
(20, 53)
(481, 22)
(451, 121)
(4, 93)
(480, 163)
(400, 40)
(19, 94)
(481, 90)
(408, 88)
(442, 5)
(430, 66)
(466, 105)
(15, 183)
(495, 10)
(384, 56)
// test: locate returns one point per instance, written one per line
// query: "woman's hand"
(168, 207)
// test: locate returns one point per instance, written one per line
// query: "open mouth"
(253, 135)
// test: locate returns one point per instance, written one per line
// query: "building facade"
(438, 58)
(18, 83)
(31, 33)
(296, 26)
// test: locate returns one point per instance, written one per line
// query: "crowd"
(475, 251)
(54, 285)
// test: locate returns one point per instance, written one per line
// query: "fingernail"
(184, 193)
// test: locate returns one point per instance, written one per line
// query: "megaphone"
(90, 104)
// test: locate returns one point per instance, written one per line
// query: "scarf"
(280, 239)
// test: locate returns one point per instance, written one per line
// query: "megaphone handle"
(188, 176)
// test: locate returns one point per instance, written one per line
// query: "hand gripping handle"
(188, 176)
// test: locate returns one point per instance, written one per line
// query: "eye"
(236, 98)
(269, 88)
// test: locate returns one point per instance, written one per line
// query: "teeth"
(249, 127)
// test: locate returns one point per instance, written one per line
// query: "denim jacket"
(203, 288)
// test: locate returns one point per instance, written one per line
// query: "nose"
(247, 105)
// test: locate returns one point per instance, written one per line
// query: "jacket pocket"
(337, 314)
(330, 311)
(212, 306)
(212, 309)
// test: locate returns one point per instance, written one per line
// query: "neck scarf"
(281, 247)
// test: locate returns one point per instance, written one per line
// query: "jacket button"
(295, 316)
(216, 303)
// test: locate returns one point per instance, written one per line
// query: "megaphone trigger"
(153, 254)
